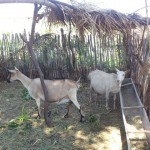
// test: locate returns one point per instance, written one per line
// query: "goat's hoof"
(66, 116)
(82, 120)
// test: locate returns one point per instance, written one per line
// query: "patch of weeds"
(95, 124)
(92, 118)
(13, 124)
(22, 121)
(25, 94)
(16, 123)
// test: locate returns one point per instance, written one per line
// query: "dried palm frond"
(85, 18)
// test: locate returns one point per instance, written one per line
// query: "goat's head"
(13, 75)
(120, 76)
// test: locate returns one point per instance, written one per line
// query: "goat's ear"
(117, 70)
(16, 69)
(11, 71)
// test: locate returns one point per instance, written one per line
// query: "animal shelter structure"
(105, 39)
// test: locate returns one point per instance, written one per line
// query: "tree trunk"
(33, 58)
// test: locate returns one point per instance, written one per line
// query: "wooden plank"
(124, 120)
(146, 124)
(139, 100)
(126, 84)
(132, 107)
(144, 131)
(145, 120)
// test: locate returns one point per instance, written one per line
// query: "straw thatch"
(94, 20)
(83, 16)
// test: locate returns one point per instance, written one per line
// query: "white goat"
(105, 83)
(59, 91)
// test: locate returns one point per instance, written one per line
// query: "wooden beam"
(125, 122)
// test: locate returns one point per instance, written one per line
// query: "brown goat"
(59, 91)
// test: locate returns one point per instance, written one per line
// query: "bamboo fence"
(62, 55)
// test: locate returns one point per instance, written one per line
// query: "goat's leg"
(68, 106)
(107, 99)
(90, 94)
(81, 113)
(91, 91)
(38, 102)
(114, 101)
(97, 98)
(73, 98)
(75, 102)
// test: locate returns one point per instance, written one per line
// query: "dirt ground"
(19, 129)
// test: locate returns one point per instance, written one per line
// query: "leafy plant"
(22, 121)
(13, 124)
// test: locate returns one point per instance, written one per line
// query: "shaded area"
(101, 130)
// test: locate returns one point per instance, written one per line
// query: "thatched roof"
(95, 20)
(83, 17)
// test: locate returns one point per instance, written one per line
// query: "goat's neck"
(119, 83)
(24, 80)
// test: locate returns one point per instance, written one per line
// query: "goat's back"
(57, 89)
